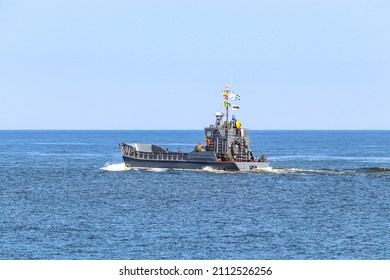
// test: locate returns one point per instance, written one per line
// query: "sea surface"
(67, 195)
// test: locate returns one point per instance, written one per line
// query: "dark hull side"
(179, 164)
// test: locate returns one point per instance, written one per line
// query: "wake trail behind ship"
(117, 167)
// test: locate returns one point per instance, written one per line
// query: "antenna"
(231, 78)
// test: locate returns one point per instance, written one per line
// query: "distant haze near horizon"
(297, 65)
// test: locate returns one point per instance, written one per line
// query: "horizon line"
(176, 129)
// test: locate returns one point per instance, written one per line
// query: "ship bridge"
(227, 140)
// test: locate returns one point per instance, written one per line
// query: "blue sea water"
(66, 195)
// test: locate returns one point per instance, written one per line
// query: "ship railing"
(160, 156)
(240, 159)
(131, 152)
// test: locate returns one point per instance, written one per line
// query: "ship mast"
(226, 93)
(227, 114)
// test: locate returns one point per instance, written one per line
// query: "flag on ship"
(234, 96)
(235, 107)
(225, 104)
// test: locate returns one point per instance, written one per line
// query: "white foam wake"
(154, 169)
(115, 167)
(302, 171)
(212, 170)
(264, 170)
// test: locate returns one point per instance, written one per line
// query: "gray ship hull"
(187, 164)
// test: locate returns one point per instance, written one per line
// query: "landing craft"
(227, 147)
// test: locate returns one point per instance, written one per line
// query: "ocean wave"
(380, 160)
(375, 170)
(359, 171)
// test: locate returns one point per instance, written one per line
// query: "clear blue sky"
(303, 64)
